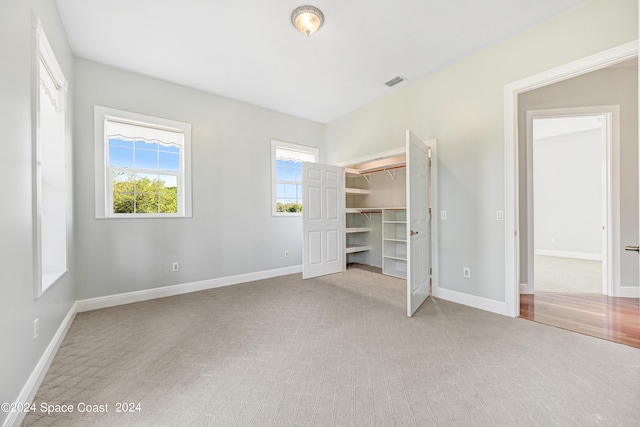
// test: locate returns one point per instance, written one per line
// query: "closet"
(376, 215)
(374, 211)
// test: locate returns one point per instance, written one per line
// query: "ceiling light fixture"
(307, 19)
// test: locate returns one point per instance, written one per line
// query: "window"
(50, 157)
(286, 176)
(142, 166)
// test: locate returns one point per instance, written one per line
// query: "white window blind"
(142, 132)
(296, 156)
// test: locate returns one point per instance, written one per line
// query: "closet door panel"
(322, 220)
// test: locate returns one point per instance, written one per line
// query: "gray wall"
(567, 193)
(462, 106)
(232, 231)
(20, 353)
(604, 87)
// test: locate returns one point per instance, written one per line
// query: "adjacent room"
(326, 213)
(579, 204)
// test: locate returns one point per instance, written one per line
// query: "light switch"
(443, 214)
(499, 215)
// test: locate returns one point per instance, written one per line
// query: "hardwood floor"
(609, 318)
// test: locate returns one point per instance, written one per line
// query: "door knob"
(632, 248)
(413, 233)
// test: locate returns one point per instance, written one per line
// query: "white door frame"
(433, 205)
(610, 192)
(511, 91)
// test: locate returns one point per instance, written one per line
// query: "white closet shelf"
(356, 191)
(351, 171)
(380, 165)
(363, 210)
(357, 230)
(394, 242)
(401, 257)
(352, 249)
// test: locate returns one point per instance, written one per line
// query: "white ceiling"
(248, 49)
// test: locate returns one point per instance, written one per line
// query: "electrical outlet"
(175, 266)
(466, 272)
(286, 254)
(36, 328)
(443, 214)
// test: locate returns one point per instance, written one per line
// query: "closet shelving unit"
(394, 242)
(394, 223)
(355, 230)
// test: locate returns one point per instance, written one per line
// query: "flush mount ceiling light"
(307, 19)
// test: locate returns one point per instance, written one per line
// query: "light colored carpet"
(567, 275)
(334, 351)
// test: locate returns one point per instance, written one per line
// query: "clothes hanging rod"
(366, 172)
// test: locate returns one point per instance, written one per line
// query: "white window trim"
(104, 197)
(42, 51)
(288, 145)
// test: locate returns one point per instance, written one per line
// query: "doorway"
(515, 257)
(570, 209)
(610, 317)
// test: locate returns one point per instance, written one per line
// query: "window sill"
(48, 280)
(286, 214)
(142, 216)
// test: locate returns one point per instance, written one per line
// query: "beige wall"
(462, 106)
(613, 86)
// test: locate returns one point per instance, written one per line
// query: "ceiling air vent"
(394, 81)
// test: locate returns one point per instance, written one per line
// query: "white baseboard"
(564, 254)
(167, 291)
(498, 307)
(629, 292)
(28, 392)
(625, 291)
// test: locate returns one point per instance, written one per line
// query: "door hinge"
(430, 271)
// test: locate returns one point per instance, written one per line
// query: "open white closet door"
(322, 220)
(419, 223)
